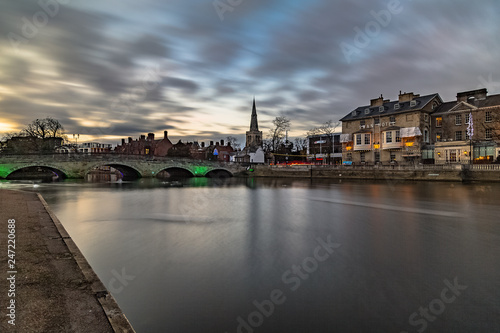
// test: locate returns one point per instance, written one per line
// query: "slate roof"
(389, 108)
(493, 100)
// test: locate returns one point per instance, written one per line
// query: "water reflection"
(200, 254)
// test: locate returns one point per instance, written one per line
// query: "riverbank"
(49, 285)
(457, 173)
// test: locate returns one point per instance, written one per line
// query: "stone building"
(145, 146)
(390, 131)
(450, 123)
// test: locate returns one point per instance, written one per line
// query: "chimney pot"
(129, 139)
(165, 134)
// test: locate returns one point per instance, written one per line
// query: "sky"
(112, 69)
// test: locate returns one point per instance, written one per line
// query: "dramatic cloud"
(123, 68)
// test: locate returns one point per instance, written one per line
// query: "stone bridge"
(131, 166)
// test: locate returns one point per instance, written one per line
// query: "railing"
(373, 167)
(485, 167)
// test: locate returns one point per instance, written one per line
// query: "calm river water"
(263, 255)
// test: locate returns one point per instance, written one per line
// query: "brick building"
(450, 123)
(145, 146)
(390, 131)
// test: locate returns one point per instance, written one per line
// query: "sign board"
(319, 141)
(216, 152)
(347, 162)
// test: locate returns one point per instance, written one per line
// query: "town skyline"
(114, 70)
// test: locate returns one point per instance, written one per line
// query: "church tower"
(254, 136)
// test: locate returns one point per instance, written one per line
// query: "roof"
(493, 100)
(360, 112)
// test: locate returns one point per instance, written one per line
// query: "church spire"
(254, 125)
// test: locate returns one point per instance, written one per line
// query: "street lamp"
(470, 133)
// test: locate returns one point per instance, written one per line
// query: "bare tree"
(44, 128)
(327, 128)
(300, 144)
(233, 142)
(277, 133)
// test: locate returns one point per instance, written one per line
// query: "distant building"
(31, 145)
(145, 146)
(325, 148)
(253, 152)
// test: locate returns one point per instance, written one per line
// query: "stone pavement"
(55, 288)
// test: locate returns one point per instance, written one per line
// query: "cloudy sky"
(119, 68)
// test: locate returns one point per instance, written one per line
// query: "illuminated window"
(458, 135)
(488, 134)
(458, 119)
(147, 151)
(438, 136)
(398, 137)
(439, 121)
(488, 117)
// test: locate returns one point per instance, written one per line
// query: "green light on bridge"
(200, 170)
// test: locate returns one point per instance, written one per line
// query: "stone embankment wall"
(398, 173)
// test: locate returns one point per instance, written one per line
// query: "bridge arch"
(16, 171)
(128, 172)
(174, 172)
(219, 173)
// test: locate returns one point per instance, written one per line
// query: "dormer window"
(396, 106)
(380, 109)
(367, 111)
(413, 103)
(354, 113)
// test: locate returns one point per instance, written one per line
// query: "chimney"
(165, 134)
(406, 97)
(476, 94)
(151, 136)
(222, 142)
(377, 101)
(211, 143)
(129, 139)
(123, 142)
(143, 137)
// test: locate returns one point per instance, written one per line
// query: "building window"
(413, 103)
(467, 118)
(488, 117)
(467, 135)
(358, 139)
(426, 136)
(458, 119)
(453, 155)
(381, 109)
(388, 137)
(439, 121)
(434, 105)
(362, 156)
(393, 157)
(398, 136)
(367, 139)
(377, 157)
(347, 124)
(377, 121)
(409, 117)
(349, 156)
(396, 106)
(392, 119)
(367, 111)
(458, 135)
(438, 136)
(146, 151)
(488, 134)
(426, 117)
(361, 123)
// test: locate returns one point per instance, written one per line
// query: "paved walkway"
(55, 288)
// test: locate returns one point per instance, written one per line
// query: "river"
(282, 255)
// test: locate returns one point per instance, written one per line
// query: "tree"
(44, 128)
(300, 144)
(327, 128)
(278, 132)
(233, 142)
